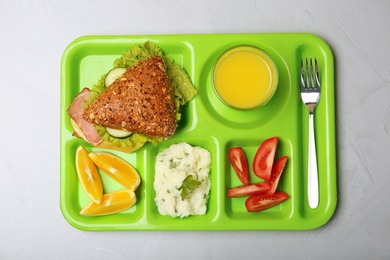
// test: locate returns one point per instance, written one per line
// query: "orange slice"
(111, 203)
(117, 168)
(88, 175)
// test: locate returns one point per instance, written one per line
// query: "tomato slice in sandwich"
(265, 201)
(239, 162)
(264, 158)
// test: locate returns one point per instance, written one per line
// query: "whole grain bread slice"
(141, 101)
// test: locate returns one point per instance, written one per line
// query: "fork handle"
(312, 167)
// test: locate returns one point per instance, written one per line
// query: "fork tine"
(312, 73)
(307, 74)
(317, 74)
(302, 75)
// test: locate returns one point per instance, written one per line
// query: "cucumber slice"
(118, 133)
(112, 75)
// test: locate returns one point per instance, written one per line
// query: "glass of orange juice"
(245, 77)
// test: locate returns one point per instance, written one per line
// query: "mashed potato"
(182, 167)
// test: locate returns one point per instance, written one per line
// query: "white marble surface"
(33, 36)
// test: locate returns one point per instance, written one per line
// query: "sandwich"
(136, 102)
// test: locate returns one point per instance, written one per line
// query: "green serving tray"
(208, 123)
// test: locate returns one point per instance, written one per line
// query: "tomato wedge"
(264, 201)
(277, 170)
(249, 190)
(264, 158)
(240, 164)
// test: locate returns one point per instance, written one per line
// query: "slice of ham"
(75, 110)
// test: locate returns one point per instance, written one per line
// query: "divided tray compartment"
(208, 123)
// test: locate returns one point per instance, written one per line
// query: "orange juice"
(245, 77)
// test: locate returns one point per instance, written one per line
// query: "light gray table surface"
(33, 37)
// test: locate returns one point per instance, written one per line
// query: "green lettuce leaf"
(182, 86)
(135, 140)
(137, 53)
(183, 89)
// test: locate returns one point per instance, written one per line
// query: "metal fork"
(310, 93)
